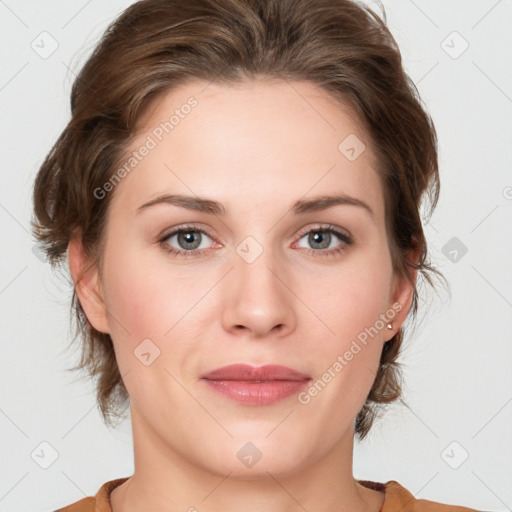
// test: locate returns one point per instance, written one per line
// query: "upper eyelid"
(325, 227)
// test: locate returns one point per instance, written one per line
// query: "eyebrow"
(212, 207)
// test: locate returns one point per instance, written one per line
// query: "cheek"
(347, 359)
(145, 297)
(351, 303)
(135, 312)
(152, 300)
(351, 299)
(131, 301)
(145, 305)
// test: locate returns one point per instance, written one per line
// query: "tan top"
(397, 499)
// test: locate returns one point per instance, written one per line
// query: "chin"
(254, 456)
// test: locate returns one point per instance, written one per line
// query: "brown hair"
(155, 45)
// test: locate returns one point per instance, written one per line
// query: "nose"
(258, 299)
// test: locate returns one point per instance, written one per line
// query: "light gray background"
(458, 365)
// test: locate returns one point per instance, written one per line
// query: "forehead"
(254, 142)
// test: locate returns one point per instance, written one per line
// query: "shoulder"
(398, 498)
(401, 499)
(83, 505)
(98, 503)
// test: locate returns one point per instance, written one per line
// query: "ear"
(402, 293)
(87, 286)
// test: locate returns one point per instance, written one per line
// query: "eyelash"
(325, 228)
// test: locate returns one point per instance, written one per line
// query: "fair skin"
(255, 148)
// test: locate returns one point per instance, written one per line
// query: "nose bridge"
(256, 266)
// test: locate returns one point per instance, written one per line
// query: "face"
(251, 278)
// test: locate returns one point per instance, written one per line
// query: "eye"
(322, 239)
(190, 241)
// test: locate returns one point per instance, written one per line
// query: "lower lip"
(257, 393)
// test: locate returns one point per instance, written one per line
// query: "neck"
(165, 480)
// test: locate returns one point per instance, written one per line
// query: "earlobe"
(87, 286)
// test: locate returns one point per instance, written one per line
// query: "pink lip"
(262, 385)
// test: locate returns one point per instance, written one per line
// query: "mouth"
(245, 372)
(251, 385)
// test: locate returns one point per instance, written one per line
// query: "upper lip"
(247, 372)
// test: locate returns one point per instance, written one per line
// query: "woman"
(237, 195)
